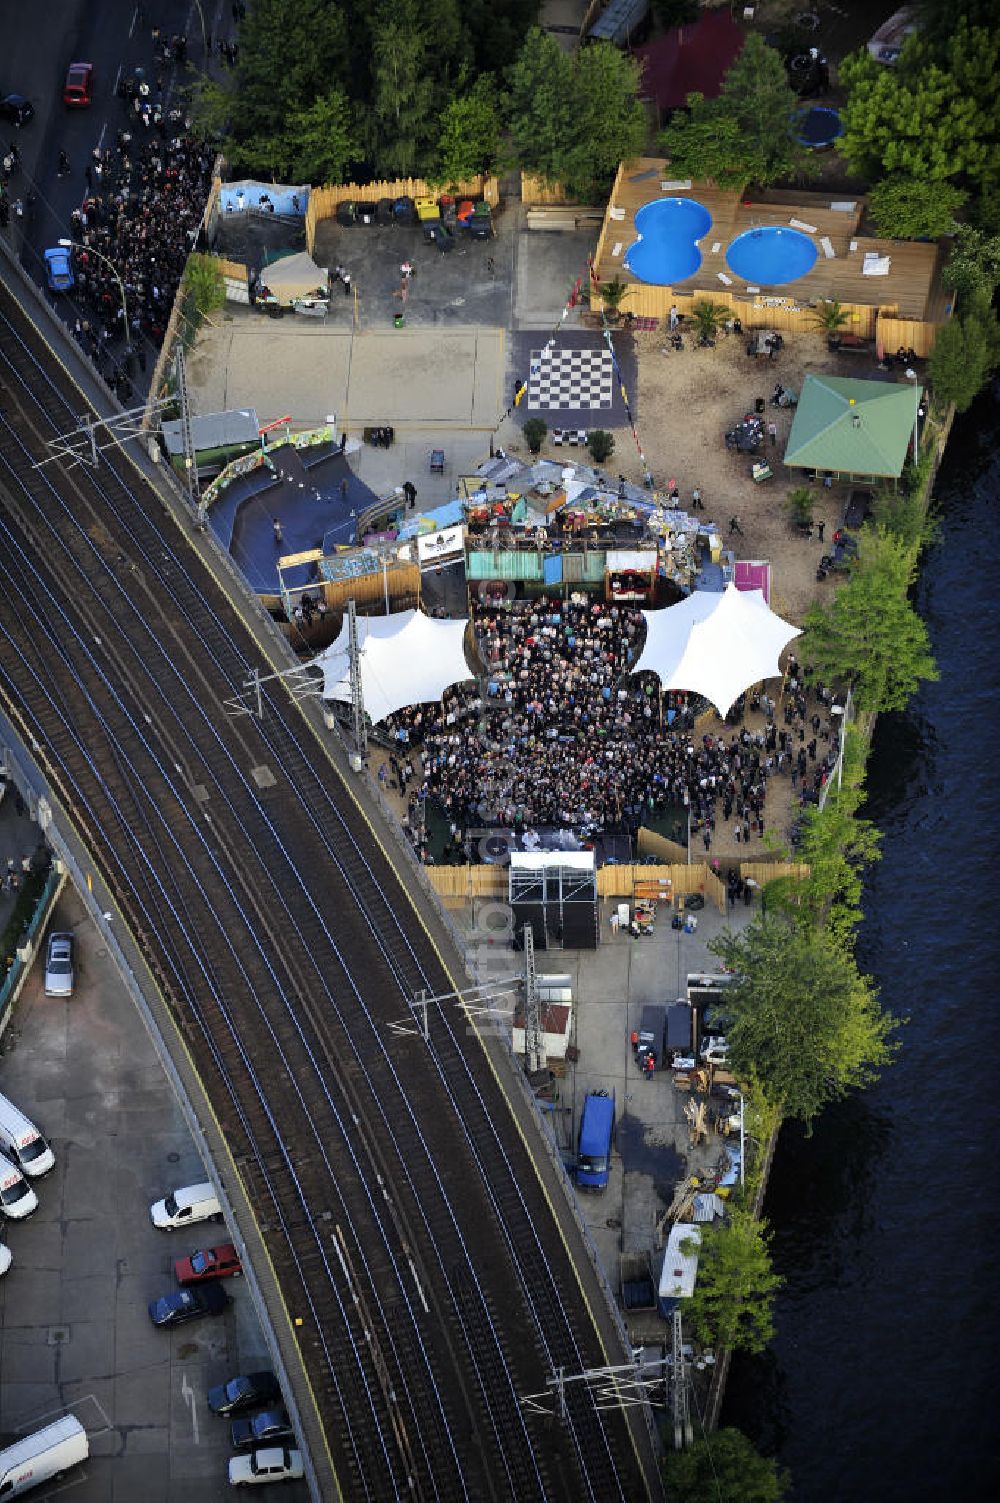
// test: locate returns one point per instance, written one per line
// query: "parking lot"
(75, 1333)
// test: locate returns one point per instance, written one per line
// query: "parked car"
(6, 1259)
(16, 110)
(273, 1465)
(78, 90)
(59, 269)
(209, 1263)
(245, 1392)
(271, 1427)
(59, 976)
(180, 1305)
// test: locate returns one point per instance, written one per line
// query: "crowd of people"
(560, 733)
(138, 222)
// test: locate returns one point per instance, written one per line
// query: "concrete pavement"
(74, 1330)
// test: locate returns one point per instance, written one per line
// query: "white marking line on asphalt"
(189, 1397)
(100, 139)
(118, 79)
(135, 17)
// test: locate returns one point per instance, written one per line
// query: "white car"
(6, 1258)
(272, 1464)
(59, 966)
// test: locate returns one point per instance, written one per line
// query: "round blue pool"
(665, 251)
(818, 127)
(771, 255)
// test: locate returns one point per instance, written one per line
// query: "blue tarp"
(552, 569)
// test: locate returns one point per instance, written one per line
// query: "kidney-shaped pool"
(665, 251)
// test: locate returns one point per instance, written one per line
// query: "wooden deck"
(911, 290)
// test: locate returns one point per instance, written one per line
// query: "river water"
(883, 1381)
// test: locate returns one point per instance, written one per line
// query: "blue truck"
(597, 1129)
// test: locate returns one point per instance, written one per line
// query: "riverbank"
(881, 1326)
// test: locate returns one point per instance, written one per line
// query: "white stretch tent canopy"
(715, 645)
(406, 659)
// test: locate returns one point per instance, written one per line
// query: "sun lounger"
(828, 249)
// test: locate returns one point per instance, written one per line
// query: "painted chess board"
(562, 380)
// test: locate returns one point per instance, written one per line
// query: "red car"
(79, 85)
(210, 1263)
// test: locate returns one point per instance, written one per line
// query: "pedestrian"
(410, 492)
(19, 207)
(673, 318)
(490, 266)
(241, 199)
(64, 164)
(406, 271)
(278, 532)
(696, 502)
(734, 526)
(345, 486)
(345, 277)
(772, 432)
(343, 442)
(821, 528)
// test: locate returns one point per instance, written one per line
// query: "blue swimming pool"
(771, 255)
(665, 251)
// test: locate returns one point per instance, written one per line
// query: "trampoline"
(665, 251)
(818, 127)
(771, 255)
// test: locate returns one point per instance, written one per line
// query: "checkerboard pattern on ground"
(571, 380)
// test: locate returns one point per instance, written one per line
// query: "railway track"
(405, 1223)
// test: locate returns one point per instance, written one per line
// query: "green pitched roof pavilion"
(852, 427)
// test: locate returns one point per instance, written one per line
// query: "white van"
(17, 1198)
(185, 1206)
(21, 1139)
(42, 1456)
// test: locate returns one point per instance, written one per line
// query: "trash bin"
(398, 321)
(760, 405)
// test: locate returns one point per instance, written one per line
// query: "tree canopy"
(747, 133)
(868, 633)
(966, 352)
(574, 117)
(396, 85)
(723, 1467)
(907, 208)
(935, 116)
(803, 1020)
(734, 1292)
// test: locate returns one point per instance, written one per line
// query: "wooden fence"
(763, 872)
(323, 202)
(905, 333)
(681, 879)
(535, 190)
(457, 885)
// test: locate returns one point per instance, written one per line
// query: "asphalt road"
(116, 36)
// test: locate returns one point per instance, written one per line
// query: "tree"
(734, 1291)
(974, 263)
(291, 52)
(534, 432)
(321, 140)
(838, 845)
(470, 141)
(709, 318)
(907, 208)
(757, 94)
(829, 315)
(723, 1467)
(601, 444)
(933, 117)
(401, 120)
(869, 634)
(613, 294)
(800, 503)
(205, 283)
(803, 1020)
(966, 352)
(710, 145)
(573, 118)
